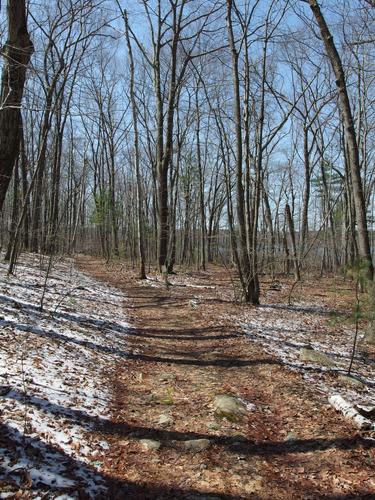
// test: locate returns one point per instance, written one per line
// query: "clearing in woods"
(185, 348)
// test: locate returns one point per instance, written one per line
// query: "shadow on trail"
(115, 351)
(172, 439)
(84, 477)
(299, 308)
(225, 362)
(197, 334)
(183, 334)
(232, 362)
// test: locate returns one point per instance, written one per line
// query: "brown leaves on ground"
(182, 354)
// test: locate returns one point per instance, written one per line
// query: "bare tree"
(248, 275)
(351, 138)
(140, 225)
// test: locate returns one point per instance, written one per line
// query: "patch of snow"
(156, 281)
(283, 330)
(249, 406)
(54, 360)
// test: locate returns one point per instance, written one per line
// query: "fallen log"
(350, 412)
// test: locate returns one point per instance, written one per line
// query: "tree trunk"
(306, 194)
(247, 271)
(15, 210)
(289, 220)
(140, 225)
(17, 52)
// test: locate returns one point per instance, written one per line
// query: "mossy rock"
(229, 407)
(350, 380)
(196, 445)
(167, 377)
(150, 444)
(308, 354)
(165, 420)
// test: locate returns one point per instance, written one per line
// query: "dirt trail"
(181, 354)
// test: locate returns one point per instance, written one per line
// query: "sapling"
(48, 271)
(357, 315)
(359, 272)
(370, 332)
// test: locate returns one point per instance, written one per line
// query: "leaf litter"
(68, 371)
(191, 345)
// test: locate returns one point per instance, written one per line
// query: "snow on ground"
(53, 395)
(284, 330)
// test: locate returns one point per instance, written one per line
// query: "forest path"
(182, 353)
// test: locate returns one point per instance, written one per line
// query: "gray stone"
(214, 426)
(167, 377)
(150, 444)
(229, 407)
(308, 354)
(197, 444)
(291, 437)
(165, 420)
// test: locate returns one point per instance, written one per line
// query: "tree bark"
(17, 52)
(247, 264)
(289, 220)
(140, 225)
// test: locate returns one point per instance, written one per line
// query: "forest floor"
(148, 363)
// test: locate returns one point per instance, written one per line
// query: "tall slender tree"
(350, 135)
